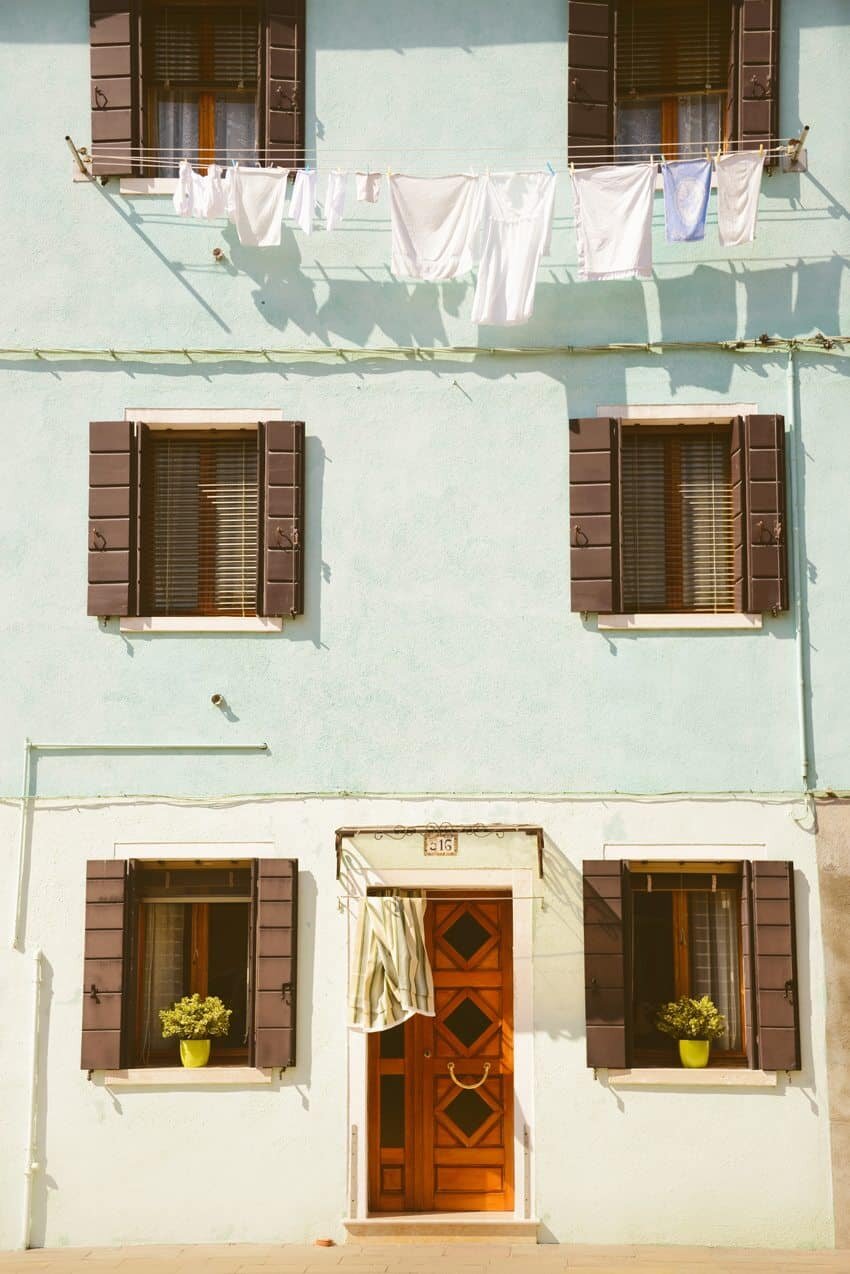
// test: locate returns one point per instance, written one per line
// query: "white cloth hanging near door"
(435, 224)
(390, 976)
(335, 197)
(518, 213)
(303, 202)
(259, 197)
(738, 188)
(613, 215)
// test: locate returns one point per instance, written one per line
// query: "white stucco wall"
(725, 1167)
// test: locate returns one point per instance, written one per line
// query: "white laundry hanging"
(259, 196)
(613, 216)
(368, 187)
(335, 198)
(435, 225)
(518, 213)
(738, 188)
(214, 193)
(188, 196)
(303, 202)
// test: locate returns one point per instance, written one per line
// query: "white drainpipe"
(31, 1165)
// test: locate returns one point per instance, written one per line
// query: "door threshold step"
(458, 1226)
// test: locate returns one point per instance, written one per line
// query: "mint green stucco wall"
(437, 652)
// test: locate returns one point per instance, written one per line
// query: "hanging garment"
(259, 195)
(738, 189)
(368, 187)
(391, 975)
(613, 213)
(687, 184)
(188, 197)
(335, 197)
(435, 225)
(518, 211)
(214, 193)
(303, 202)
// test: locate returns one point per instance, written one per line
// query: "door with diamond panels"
(441, 1088)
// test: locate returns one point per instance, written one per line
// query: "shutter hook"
(93, 995)
(286, 992)
(99, 539)
(101, 101)
(585, 539)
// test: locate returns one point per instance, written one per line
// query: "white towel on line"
(259, 196)
(188, 197)
(215, 191)
(613, 216)
(435, 225)
(303, 202)
(518, 213)
(368, 187)
(738, 188)
(335, 198)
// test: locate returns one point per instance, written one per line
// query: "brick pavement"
(417, 1258)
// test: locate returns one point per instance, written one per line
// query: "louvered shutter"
(114, 37)
(777, 996)
(590, 97)
(103, 964)
(112, 518)
(758, 74)
(283, 583)
(767, 540)
(283, 60)
(667, 47)
(276, 945)
(604, 897)
(737, 474)
(594, 539)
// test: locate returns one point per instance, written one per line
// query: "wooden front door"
(441, 1089)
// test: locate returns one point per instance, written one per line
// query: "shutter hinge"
(93, 994)
(286, 991)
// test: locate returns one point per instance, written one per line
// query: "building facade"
(545, 621)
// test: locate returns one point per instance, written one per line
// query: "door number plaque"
(440, 844)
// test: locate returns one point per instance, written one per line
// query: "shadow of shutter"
(590, 80)
(114, 39)
(604, 963)
(103, 964)
(283, 553)
(283, 63)
(767, 537)
(777, 988)
(594, 522)
(113, 484)
(275, 1001)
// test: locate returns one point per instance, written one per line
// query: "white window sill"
(657, 623)
(187, 1077)
(681, 1077)
(200, 624)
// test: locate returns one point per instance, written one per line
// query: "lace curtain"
(163, 973)
(713, 927)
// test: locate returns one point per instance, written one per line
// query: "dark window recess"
(200, 523)
(468, 1022)
(677, 520)
(392, 1112)
(468, 1111)
(201, 75)
(467, 935)
(392, 1042)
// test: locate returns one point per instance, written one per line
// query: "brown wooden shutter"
(282, 89)
(590, 97)
(276, 960)
(748, 962)
(737, 474)
(758, 74)
(114, 36)
(112, 518)
(283, 557)
(777, 997)
(594, 522)
(767, 538)
(604, 963)
(103, 964)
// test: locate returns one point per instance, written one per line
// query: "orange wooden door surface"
(439, 1141)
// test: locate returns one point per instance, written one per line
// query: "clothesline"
(701, 144)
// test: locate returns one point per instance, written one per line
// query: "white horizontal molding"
(661, 621)
(209, 417)
(187, 1077)
(688, 413)
(200, 624)
(681, 1077)
(147, 185)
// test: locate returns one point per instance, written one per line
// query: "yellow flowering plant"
(195, 1019)
(689, 1019)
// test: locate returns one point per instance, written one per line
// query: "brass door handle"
(461, 1084)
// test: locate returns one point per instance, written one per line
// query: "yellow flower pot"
(194, 1052)
(694, 1053)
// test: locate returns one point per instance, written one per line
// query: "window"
(192, 934)
(677, 519)
(200, 523)
(672, 71)
(686, 940)
(201, 62)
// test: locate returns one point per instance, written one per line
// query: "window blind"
(677, 520)
(200, 523)
(216, 47)
(673, 46)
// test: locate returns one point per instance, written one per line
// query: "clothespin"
(708, 154)
(572, 167)
(761, 148)
(551, 169)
